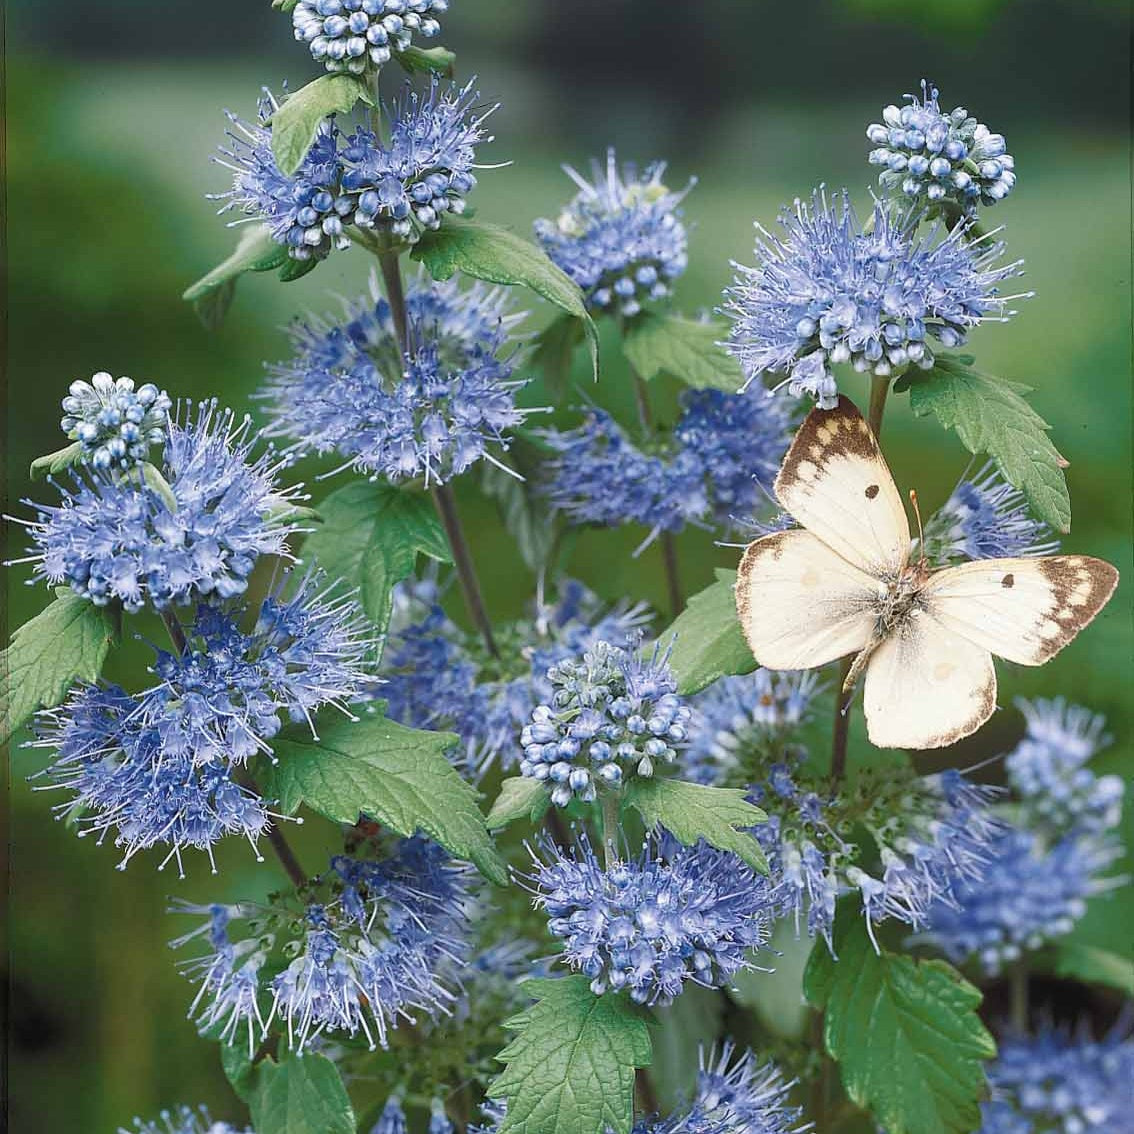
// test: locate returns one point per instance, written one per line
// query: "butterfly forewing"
(835, 483)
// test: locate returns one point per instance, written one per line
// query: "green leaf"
(157, 484)
(238, 1069)
(300, 1095)
(554, 350)
(370, 537)
(438, 60)
(56, 462)
(399, 776)
(525, 516)
(706, 638)
(685, 348)
(570, 1070)
(65, 643)
(212, 294)
(520, 797)
(694, 1020)
(295, 123)
(991, 416)
(1095, 965)
(693, 811)
(906, 1033)
(497, 255)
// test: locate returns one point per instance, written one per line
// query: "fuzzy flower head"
(356, 36)
(183, 1120)
(829, 292)
(113, 422)
(435, 412)
(612, 713)
(370, 944)
(195, 531)
(985, 518)
(933, 156)
(648, 925)
(621, 238)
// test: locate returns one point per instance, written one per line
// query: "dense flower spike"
(348, 390)
(361, 35)
(932, 156)
(183, 1120)
(648, 925)
(114, 423)
(125, 538)
(985, 518)
(383, 945)
(621, 238)
(829, 292)
(1061, 1082)
(613, 713)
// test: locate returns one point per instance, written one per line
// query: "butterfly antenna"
(920, 531)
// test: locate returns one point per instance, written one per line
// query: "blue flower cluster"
(1061, 1082)
(389, 941)
(131, 540)
(183, 1120)
(621, 238)
(931, 156)
(161, 766)
(114, 423)
(985, 518)
(396, 188)
(360, 35)
(648, 925)
(831, 292)
(349, 390)
(612, 713)
(718, 465)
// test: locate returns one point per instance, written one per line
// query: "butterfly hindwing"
(800, 604)
(835, 483)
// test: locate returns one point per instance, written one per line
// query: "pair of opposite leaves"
(844, 583)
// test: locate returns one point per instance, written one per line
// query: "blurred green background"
(114, 107)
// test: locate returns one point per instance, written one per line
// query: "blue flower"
(123, 538)
(932, 156)
(985, 518)
(829, 292)
(650, 924)
(388, 941)
(392, 1120)
(347, 388)
(183, 1120)
(612, 713)
(114, 423)
(360, 35)
(621, 238)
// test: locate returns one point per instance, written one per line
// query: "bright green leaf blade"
(212, 294)
(497, 255)
(685, 348)
(519, 798)
(238, 1069)
(1095, 965)
(65, 643)
(706, 638)
(906, 1034)
(299, 1096)
(570, 1070)
(554, 350)
(991, 416)
(399, 776)
(693, 811)
(370, 537)
(294, 124)
(438, 60)
(56, 462)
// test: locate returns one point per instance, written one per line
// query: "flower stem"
(879, 389)
(1018, 991)
(647, 1095)
(611, 805)
(175, 631)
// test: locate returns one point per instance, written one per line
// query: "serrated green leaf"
(497, 255)
(706, 638)
(300, 1095)
(293, 270)
(991, 416)
(520, 797)
(370, 537)
(212, 294)
(65, 643)
(690, 812)
(436, 60)
(399, 776)
(296, 121)
(1094, 965)
(525, 515)
(56, 462)
(554, 350)
(906, 1033)
(570, 1070)
(685, 348)
(238, 1069)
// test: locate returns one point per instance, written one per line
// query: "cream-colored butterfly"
(845, 584)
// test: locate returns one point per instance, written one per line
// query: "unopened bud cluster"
(359, 35)
(114, 422)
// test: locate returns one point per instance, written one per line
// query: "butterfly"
(846, 583)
